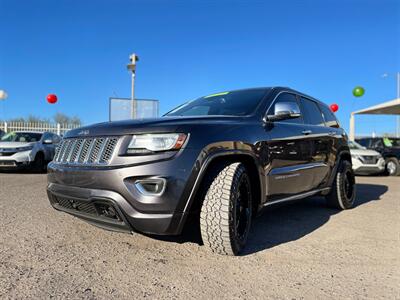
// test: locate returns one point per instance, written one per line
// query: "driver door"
(289, 152)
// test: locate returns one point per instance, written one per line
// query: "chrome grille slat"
(92, 142)
(67, 150)
(62, 150)
(101, 151)
(96, 147)
(57, 152)
(73, 145)
(86, 151)
(77, 150)
(108, 150)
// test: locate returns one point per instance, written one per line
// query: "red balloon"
(334, 107)
(51, 98)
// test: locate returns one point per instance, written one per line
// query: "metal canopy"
(387, 108)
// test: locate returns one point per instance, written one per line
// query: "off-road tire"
(396, 170)
(228, 195)
(342, 195)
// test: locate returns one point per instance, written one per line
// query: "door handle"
(306, 132)
(331, 133)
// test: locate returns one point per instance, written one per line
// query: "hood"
(7, 145)
(392, 150)
(163, 124)
(366, 152)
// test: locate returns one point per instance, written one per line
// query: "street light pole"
(133, 101)
(132, 67)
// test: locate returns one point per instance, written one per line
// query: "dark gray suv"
(221, 158)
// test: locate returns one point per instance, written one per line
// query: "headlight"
(355, 156)
(20, 149)
(147, 143)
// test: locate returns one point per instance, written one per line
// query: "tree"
(58, 118)
(34, 119)
(64, 119)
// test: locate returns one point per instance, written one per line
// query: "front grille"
(7, 153)
(82, 206)
(370, 159)
(101, 209)
(86, 151)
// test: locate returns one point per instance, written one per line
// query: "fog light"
(151, 186)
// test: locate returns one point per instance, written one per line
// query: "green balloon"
(358, 91)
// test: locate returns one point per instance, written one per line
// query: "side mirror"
(48, 142)
(284, 111)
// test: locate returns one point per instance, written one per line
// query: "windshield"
(355, 145)
(25, 137)
(391, 142)
(236, 103)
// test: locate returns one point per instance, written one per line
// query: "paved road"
(296, 251)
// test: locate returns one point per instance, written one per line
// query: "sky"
(78, 50)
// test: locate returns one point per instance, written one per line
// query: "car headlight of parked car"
(21, 149)
(355, 156)
(148, 143)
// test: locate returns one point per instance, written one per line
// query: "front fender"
(231, 151)
(344, 153)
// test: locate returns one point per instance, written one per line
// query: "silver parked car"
(22, 149)
(366, 161)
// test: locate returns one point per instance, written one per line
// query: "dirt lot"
(296, 251)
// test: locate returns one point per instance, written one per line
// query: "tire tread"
(215, 212)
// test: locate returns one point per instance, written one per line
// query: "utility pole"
(132, 67)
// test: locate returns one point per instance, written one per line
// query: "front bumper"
(366, 169)
(92, 205)
(80, 191)
(16, 161)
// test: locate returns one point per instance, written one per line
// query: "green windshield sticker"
(387, 142)
(217, 94)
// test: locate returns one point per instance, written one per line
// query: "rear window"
(330, 119)
(311, 112)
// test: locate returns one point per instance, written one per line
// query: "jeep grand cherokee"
(226, 156)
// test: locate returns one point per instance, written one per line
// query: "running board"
(296, 197)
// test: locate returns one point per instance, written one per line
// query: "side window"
(330, 119)
(377, 144)
(286, 97)
(312, 114)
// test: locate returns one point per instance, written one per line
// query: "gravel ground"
(296, 251)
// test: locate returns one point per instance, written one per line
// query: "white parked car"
(27, 149)
(365, 161)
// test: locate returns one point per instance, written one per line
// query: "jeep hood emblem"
(83, 132)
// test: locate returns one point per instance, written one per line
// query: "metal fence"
(58, 128)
